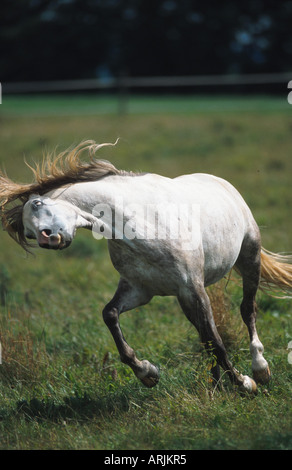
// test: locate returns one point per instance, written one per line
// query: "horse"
(166, 237)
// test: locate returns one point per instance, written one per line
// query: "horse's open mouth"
(53, 241)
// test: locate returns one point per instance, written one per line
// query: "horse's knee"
(110, 316)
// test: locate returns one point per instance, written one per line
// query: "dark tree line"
(67, 39)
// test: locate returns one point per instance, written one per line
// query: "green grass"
(62, 384)
(102, 104)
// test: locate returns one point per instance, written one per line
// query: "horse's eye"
(35, 204)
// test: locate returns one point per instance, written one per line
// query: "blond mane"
(54, 172)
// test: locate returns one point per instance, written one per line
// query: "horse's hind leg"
(197, 307)
(249, 265)
(126, 298)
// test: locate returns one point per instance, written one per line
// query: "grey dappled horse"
(165, 237)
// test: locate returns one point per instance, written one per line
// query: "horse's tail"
(276, 272)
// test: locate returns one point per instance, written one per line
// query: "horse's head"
(52, 222)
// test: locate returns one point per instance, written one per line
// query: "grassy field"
(62, 385)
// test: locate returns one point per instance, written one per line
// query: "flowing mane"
(54, 172)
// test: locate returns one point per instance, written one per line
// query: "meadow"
(62, 385)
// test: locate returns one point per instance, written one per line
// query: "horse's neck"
(86, 195)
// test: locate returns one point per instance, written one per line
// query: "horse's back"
(225, 221)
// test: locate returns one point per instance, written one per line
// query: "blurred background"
(45, 40)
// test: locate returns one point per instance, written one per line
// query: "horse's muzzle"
(53, 241)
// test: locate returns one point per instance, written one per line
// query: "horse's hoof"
(262, 376)
(248, 385)
(150, 381)
(150, 377)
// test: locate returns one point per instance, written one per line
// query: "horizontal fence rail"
(125, 82)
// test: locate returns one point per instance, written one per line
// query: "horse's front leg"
(126, 298)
